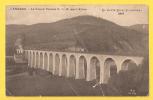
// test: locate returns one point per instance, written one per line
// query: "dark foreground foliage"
(133, 82)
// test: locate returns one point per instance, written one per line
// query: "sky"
(124, 15)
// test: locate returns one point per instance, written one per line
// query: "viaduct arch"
(80, 65)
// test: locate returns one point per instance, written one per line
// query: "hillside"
(95, 34)
(140, 28)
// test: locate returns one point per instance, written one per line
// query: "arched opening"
(37, 60)
(33, 62)
(64, 65)
(31, 59)
(26, 55)
(41, 60)
(128, 65)
(45, 62)
(95, 69)
(110, 69)
(57, 63)
(50, 63)
(72, 67)
(82, 68)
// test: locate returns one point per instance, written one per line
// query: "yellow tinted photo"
(77, 50)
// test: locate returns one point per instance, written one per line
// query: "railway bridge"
(80, 65)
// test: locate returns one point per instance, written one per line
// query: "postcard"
(77, 50)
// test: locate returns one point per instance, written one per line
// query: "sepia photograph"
(77, 50)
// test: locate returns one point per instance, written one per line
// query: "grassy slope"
(95, 34)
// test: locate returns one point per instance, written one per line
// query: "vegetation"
(132, 82)
(92, 33)
(96, 35)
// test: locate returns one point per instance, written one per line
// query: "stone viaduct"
(79, 65)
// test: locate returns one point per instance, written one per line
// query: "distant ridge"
(95, 34)
(140, 28)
